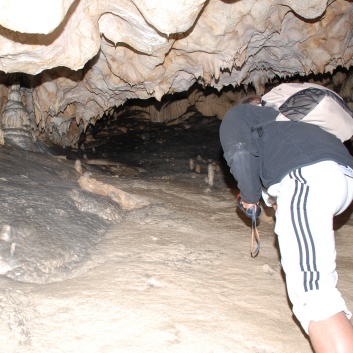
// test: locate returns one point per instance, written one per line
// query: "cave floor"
(83, 273)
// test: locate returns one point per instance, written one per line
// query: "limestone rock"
(85, 57)
(124, 199)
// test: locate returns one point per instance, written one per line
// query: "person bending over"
(306, 174)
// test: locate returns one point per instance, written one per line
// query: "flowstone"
(44, 235)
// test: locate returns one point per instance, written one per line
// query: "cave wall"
(82, 58)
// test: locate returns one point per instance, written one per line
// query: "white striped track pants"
(307, 199)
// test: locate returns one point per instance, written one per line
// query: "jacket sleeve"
(240, 151)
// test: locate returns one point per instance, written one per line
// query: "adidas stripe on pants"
(307, 199)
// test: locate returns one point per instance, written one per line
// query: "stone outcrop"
(84, 57)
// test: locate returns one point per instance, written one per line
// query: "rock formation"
(82, 58)
(16, 121)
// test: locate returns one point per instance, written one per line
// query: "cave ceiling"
(77, 59)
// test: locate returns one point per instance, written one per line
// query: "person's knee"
(316, 305)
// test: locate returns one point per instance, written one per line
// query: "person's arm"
(240, 151)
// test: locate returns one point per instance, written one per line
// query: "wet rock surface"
(44, 235)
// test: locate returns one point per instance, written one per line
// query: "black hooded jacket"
(261, 161)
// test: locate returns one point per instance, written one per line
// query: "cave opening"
(182, 149)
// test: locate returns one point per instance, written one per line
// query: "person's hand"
(248, 205)
(251, 210)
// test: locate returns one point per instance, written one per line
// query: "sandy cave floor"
(82, 273)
